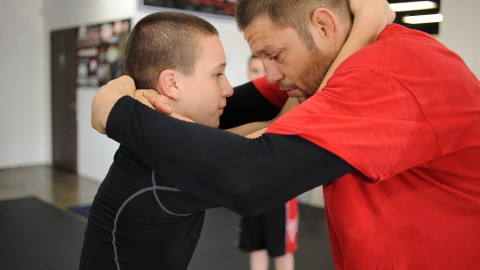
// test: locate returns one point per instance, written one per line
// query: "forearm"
(244, 175)
(105, 99)
(249, 128)
(370, 18)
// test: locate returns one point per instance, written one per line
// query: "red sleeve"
(271, 91)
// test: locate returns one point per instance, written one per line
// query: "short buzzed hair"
(288, 13)
(164, 40)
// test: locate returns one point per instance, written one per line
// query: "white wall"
(460, 32)
(24, 103)
(25, 69)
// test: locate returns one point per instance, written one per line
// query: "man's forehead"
(258, 34)
(264, 38)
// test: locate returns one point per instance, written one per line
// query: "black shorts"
(275, 231)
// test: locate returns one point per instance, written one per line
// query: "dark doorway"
(64, 123)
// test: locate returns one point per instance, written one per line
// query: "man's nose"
(273, 73)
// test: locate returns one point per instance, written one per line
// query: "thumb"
(159, 104)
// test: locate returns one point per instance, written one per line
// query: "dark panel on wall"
(223, 7)
(64, 123)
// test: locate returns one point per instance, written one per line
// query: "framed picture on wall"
(100, 48)
(222, 7)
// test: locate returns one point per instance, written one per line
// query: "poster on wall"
(99, 52)
(223, 7)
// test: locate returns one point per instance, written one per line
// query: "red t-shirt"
(405, 113)
(271, 91)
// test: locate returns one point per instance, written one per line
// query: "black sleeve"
(247, 105)
(248, 176)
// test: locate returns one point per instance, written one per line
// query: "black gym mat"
(36, 235)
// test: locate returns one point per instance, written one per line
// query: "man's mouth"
(293, 92)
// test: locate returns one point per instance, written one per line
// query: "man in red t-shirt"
(394, 137)
(414, 141)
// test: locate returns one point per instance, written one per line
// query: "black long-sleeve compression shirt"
(247, 176)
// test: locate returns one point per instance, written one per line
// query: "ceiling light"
(432, 18)
(409, 6)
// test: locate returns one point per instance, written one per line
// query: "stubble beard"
(313, 74)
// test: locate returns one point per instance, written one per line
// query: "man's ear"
(168, 81)
(324, 24)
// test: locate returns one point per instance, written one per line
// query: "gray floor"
(42, 234)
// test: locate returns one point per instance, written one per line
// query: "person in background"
(255, 68)
(272, 234)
